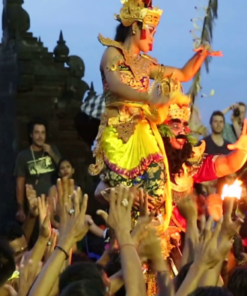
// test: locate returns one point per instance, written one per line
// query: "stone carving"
(14, 19)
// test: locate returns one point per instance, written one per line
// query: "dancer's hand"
(156, 97)
(207, 49)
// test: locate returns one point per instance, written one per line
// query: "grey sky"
(83, 20)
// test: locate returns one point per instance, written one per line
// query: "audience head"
(182, 275)
(211, 291)
(65, 168)
(237, 282)
(217, 122)
(37, 129)
(79, 257)
(14, 234)
(82, 288)
(84, 271)
(7, 261)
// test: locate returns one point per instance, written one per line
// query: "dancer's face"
(144, 45)
(180, 131)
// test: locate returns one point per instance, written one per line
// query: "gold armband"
(114, 63)
(160, 73)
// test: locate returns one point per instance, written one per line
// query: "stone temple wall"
(36, 82)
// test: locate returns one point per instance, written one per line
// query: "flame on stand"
(232, 191)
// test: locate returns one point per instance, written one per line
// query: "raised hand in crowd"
(145, 218)
(207, 256)
(29, 223)
(32, 201)
(44, 218)
(51, 244)
(121, 201)
(38, 251)
(150, 251)
(72, 229)
(187, 208)
(28, 275)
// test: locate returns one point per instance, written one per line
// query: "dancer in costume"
(129, 148)
(189, 163)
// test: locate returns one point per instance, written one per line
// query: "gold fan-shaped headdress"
(139, 11)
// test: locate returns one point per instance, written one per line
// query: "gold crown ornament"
(139, 11)
(177, 111)
(179, 106)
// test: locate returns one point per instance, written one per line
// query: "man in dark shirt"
(215, 143)
(35, 165)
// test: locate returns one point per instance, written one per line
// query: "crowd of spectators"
(45, 252)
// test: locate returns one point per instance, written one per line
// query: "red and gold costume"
(202, 168)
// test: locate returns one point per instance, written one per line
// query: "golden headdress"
(179, 107)
(139, 11)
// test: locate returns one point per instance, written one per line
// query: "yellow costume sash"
(151, 116)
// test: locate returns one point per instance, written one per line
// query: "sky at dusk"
(82, 20)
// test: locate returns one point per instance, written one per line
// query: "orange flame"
(232, 191)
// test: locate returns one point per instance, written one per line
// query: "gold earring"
(134, 32)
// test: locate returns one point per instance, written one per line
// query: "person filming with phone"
(232, 131)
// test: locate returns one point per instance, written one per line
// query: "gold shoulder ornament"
(109, 42)
(139, 66)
